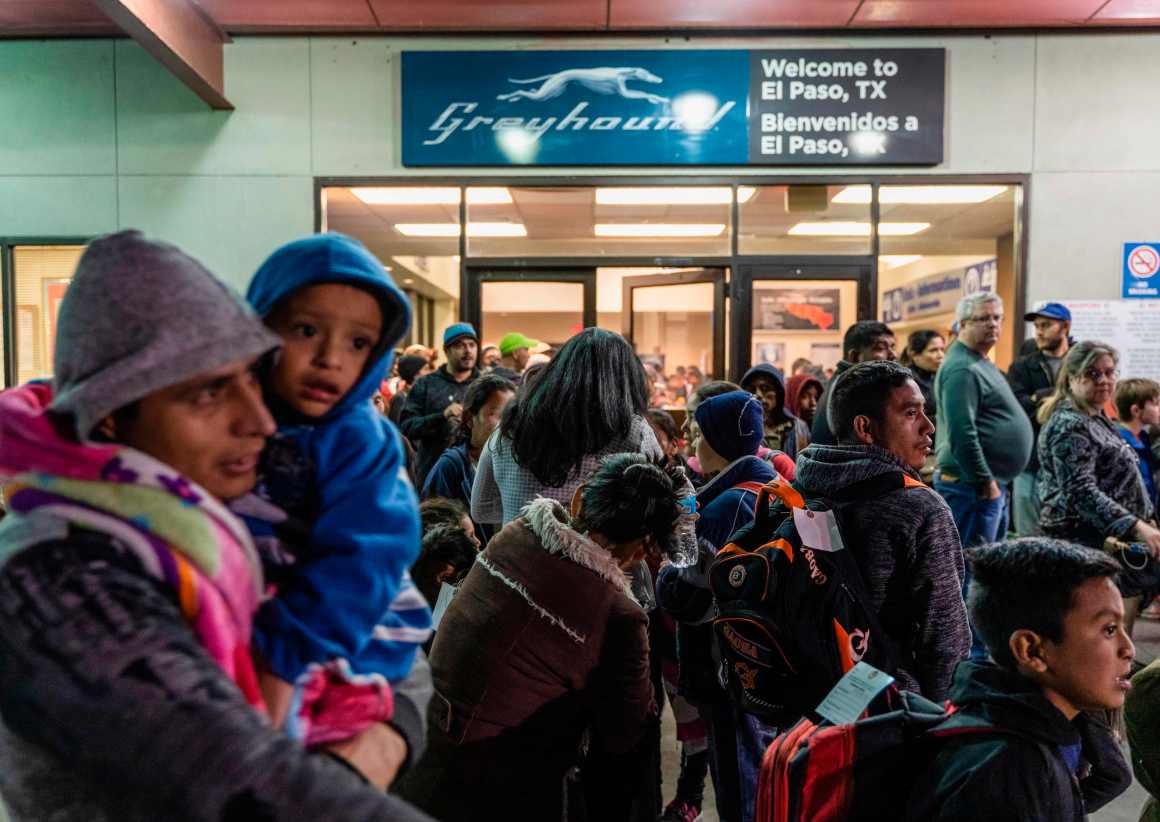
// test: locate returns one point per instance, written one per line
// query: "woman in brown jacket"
(543, 642)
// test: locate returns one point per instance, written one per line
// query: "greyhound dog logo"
(605, 80)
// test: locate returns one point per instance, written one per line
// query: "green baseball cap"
(515, 340)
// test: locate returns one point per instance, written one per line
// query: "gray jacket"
(907, 548)
(112, 710)
(1090, 486)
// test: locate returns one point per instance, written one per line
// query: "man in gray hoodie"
(905, 542)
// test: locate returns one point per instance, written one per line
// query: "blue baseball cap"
(458, 331)
(1052, 311)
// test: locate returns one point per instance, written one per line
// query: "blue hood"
(336, 258)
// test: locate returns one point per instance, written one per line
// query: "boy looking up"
(336, 517)
(1053, 620)
(1138, 404)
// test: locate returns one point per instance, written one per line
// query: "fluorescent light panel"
(898, 260)
(919, 195)
(658, 229)
(431, 195)
(665, 196)
(855, 229)
(452, 229)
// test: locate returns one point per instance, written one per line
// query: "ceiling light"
(919, 195)
(685, 195)
(855, 229)
(658, 229)
(452, 229)
(429, 195)
(898, 260)
(408, 281)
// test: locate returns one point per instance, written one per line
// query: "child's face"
(1150, 412)
(1089, 669)
(328, 331)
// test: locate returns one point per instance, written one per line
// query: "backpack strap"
(749, 487)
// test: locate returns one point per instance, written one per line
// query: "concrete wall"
(96, 136)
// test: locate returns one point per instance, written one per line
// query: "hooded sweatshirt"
(1041, 766)
(792, 434)
(907, 548)
(794, 387)
(335, 512)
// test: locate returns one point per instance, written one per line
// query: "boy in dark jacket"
(731, 433)
(1053, 620)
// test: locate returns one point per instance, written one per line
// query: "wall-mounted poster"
(770, 352)
(54, 289)
(825, 354)
(796, 309)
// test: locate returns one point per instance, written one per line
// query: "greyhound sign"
(574, 108)
(679, 107)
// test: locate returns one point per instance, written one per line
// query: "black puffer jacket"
(422, 419)
(1021, 775)
(112, 710)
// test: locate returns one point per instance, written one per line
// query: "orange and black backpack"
(792, 620)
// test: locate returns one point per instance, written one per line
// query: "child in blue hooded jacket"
(333, 513)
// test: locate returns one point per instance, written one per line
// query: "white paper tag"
(853, 694)
(818, 530)
(446, 593)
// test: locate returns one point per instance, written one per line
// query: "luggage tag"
(853, 694)
(442, 602)
(818, 530)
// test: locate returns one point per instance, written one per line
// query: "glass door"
(783, 313)
(548, 306)
(676, 320)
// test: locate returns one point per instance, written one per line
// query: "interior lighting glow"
(659, 229)
(695, 110)
(452, 229)
(431, 195)
(898, 260)
(518, 144)
(920, 195)
(855, 229)
(664, 196)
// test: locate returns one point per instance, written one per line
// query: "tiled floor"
(1125, 809)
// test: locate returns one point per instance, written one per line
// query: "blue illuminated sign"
(672, 108)
(1141, 270)
(574, 108)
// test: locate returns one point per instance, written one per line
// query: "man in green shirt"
(984, 437)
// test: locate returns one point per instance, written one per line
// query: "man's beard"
(1053, 345)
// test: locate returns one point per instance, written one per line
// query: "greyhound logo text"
(601, 80)
(467, 116)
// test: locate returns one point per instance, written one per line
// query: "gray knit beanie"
(140, 316)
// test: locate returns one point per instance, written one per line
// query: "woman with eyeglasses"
(1090, 488)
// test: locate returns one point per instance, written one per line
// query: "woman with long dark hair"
(588, 402)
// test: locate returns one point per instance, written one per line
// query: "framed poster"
(770, 352)
(54, 289)
(797, 309)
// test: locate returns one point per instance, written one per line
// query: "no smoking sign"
(1141, 265)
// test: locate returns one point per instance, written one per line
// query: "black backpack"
(791, 620)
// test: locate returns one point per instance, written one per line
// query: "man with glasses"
(983, 439)
(1032, 378)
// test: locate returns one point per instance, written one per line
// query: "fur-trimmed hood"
(547, 519)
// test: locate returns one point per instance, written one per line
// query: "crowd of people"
(258, 562)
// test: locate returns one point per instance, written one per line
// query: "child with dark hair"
(454, 471)
(436, 511)
(333, 510)
(1053, 621)
(445, 557)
